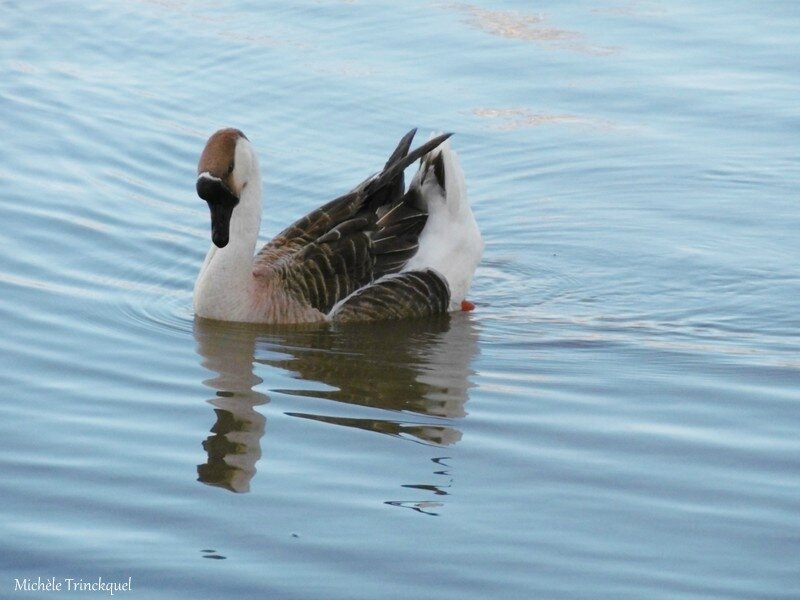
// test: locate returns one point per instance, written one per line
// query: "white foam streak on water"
(617, 419)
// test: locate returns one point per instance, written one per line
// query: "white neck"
(224, 288)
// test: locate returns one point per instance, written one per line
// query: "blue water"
(618, 418)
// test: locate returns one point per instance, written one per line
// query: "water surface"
(618, 418)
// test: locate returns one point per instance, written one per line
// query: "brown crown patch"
(217, 157)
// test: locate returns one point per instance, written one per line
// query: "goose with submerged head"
(379, 252)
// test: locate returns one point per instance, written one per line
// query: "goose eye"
(230, 168)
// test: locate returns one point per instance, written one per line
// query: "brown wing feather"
(308, 229)
(371, 195)
(323, 273)
(353, 240)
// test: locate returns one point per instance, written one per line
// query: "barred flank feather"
(408, 294)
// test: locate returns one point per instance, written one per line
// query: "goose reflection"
(235, 444)
(416, 373)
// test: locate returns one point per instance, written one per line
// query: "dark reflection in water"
(235, 444)
(417, 368)
(425, 507)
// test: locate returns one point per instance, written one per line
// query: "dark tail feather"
(436, 163)
(388, 175)
(400, 165)
(402, 148)
(392, 189)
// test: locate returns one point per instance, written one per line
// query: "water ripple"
(619, 413)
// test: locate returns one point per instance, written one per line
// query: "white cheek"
(244, 165)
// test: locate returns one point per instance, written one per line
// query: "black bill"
(221, 202)
(220, 223)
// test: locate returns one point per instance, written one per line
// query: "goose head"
(227, 165)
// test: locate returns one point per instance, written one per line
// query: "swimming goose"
(378, 252)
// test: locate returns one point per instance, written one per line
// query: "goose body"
(378, 252)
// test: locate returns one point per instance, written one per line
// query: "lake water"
(618, 418)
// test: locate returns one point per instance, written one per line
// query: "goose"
(379, 252)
